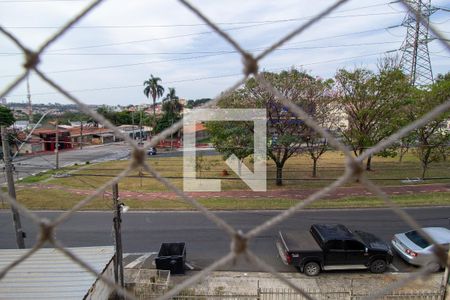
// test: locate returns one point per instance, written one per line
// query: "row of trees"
(152, 89)
(359, 106)
(171, 108)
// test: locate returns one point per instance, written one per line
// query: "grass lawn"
(296, 174)
(62, 200)
(54, 199)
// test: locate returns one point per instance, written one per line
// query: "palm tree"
(172, 107)
(171, 104)
(171, 95)
(154, 89)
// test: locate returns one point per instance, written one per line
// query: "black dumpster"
(171, 256)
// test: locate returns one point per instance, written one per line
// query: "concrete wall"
(99, 289)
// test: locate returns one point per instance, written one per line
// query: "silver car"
(416, 250)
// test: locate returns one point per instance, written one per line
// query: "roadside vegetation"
(359, 106)
(54, 199)
(386, 171)
(46, 192)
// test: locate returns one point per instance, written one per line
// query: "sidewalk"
(342, 192)
(46, 153)
(359, 284)
(336, 285)
(142, 277)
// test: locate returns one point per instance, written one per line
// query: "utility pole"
(171, 138)
(132, 122)
(81, 134)
(20, 235)
(57, 146)
(140, 127)
(118, 258)
(30, 108)
(416, 57)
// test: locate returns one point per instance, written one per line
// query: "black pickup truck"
(333, 247)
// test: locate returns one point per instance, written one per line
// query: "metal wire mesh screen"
(239, 239)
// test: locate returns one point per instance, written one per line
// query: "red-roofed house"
(91, 135)
(33, 145)
(48, 137)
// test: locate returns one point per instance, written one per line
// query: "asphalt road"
(205, 243)
(26, 166)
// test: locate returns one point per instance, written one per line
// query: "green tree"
(107, 112)
(69, 116)
(153, 89)
(6, 116)
(124, 117)
(285, 131)
(198, 102)
(433, 139)
(171, 104)
(372, 103)
(171, 110)
(171, 95)
(319, 97)
(232, 137)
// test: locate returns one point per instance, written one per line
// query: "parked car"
(333, 247)
(152, 151)
(416, 250)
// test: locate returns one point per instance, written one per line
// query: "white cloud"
(176, 70)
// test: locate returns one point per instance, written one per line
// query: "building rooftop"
(198, 127)
(49, 274)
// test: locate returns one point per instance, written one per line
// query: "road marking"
(189, 266)
(139, 260)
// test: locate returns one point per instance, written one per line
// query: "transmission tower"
(30, 107)
(416, 57)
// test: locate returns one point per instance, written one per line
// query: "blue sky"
(106, 58)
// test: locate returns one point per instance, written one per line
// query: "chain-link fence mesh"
(239, 240)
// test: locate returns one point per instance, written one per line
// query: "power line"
(264, 22)
(221, 52)
(200, 78)
(203, 33)
(440, 22)
(122, 65)
(209, 52)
